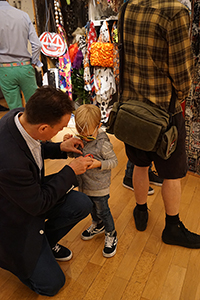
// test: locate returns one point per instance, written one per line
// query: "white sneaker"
(93, 230)
(110, 244)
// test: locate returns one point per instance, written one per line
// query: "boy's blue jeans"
(101, 212)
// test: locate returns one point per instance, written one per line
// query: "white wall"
(25, 5)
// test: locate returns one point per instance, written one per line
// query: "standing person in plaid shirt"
(157, 56)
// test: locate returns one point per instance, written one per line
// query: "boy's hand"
(95, 164)
(67, 136)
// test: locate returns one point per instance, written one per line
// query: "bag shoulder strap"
(171, 109)
(121, 63)
(121, 48)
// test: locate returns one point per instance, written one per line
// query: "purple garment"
(78, 60)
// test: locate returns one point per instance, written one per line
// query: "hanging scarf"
(65, 74)
(64, 71)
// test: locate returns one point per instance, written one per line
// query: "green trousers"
(13, 80)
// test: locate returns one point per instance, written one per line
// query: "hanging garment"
(115, 4)
(192, 104)
(80, 37)
(92, 37)
(73, 49)
(114, 35)
(78, 59)
(101, 54)
(53, 44)
(65, 74)
(104, 80)
(65, 66)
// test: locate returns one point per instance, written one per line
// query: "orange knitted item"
(101, 54)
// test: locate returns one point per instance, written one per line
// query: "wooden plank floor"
(3, 103)
(143, 268)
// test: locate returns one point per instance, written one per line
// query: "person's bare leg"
(175, 232)
(141, 187)
(141, 184)
(171, 193)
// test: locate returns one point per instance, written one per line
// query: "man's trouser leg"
(27, 81)
(64, 216)
(13, 80)
(10, 87)
(47, 278)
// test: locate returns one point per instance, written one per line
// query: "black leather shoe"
(180, 236)
(141, 218)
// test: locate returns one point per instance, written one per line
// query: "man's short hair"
(48, 105)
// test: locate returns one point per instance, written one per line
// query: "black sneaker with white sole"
(61, 253)
(92, 231)
(110, 244)
(127, 183)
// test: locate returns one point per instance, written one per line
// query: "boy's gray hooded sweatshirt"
(96, 182)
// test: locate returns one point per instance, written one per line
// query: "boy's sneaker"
(127, 183)
(155, 179)
(61, 253)
(141, 218)
(110, 244)
(180, 236)
(93, 230)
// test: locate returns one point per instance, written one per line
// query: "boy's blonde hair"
(87, 116)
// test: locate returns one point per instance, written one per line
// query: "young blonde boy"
(96, 181)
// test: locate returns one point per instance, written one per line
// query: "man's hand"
(80, 164)
(71, 145)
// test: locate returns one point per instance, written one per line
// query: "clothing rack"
(99, 22)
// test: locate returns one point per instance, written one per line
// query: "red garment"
(73, 49)
(91, 38)
(183, 108)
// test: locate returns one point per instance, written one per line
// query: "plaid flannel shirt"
(157, 52)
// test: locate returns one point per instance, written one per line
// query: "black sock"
(142, 207)
(172, 220)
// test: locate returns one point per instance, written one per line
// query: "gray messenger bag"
(144, 127)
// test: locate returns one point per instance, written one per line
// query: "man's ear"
(42, 128)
